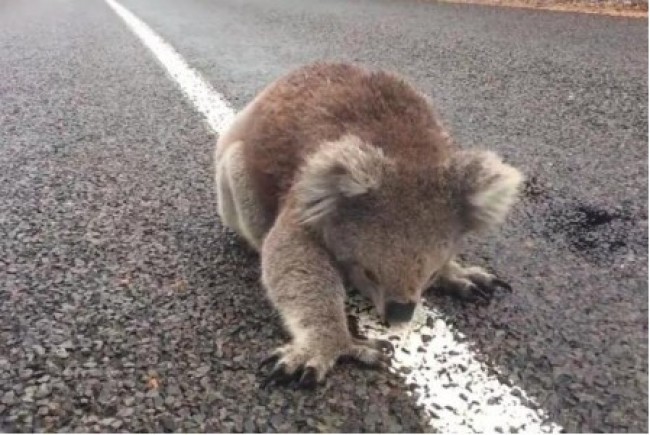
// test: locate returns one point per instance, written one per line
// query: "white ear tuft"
(496, 193)
(340, 169)
(491, 187)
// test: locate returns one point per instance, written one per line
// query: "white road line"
(437, 364)
(448, 380)
(207, 101)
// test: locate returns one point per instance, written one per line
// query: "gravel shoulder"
(617, 8)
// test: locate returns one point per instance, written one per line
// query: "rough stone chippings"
(124, 305)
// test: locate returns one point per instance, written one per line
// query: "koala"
(337, 174)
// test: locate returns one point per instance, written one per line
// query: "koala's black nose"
(397, 312)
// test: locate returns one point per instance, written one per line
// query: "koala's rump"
(293, 116)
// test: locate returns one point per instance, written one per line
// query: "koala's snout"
(397, 312)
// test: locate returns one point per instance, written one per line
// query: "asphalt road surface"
(125, 305)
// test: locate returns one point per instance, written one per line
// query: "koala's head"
(391, 227)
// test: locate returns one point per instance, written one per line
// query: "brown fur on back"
(323, 101)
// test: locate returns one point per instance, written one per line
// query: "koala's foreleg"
(307, 290)
(470, 283)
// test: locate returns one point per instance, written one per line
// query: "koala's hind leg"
(470, 283)
(238, 206)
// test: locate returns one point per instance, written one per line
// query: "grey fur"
(337, 173)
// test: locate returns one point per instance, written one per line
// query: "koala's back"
(293, 116)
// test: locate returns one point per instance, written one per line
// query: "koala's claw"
(280, 375)
(483, 293)
(370, 353)
(472, 284)
(309, 378)
(295, 365)
(500, 283)
(271, 359)
(482, 290)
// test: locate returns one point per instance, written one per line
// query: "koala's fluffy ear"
(341, 169)
(487, 185)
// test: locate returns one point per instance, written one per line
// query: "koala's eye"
(370, 275)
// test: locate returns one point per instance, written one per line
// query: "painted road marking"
(447, 379)
(457, 390)
(207, 101)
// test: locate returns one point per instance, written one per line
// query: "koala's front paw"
(473, 284)
(308, 367)
(294, 363)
